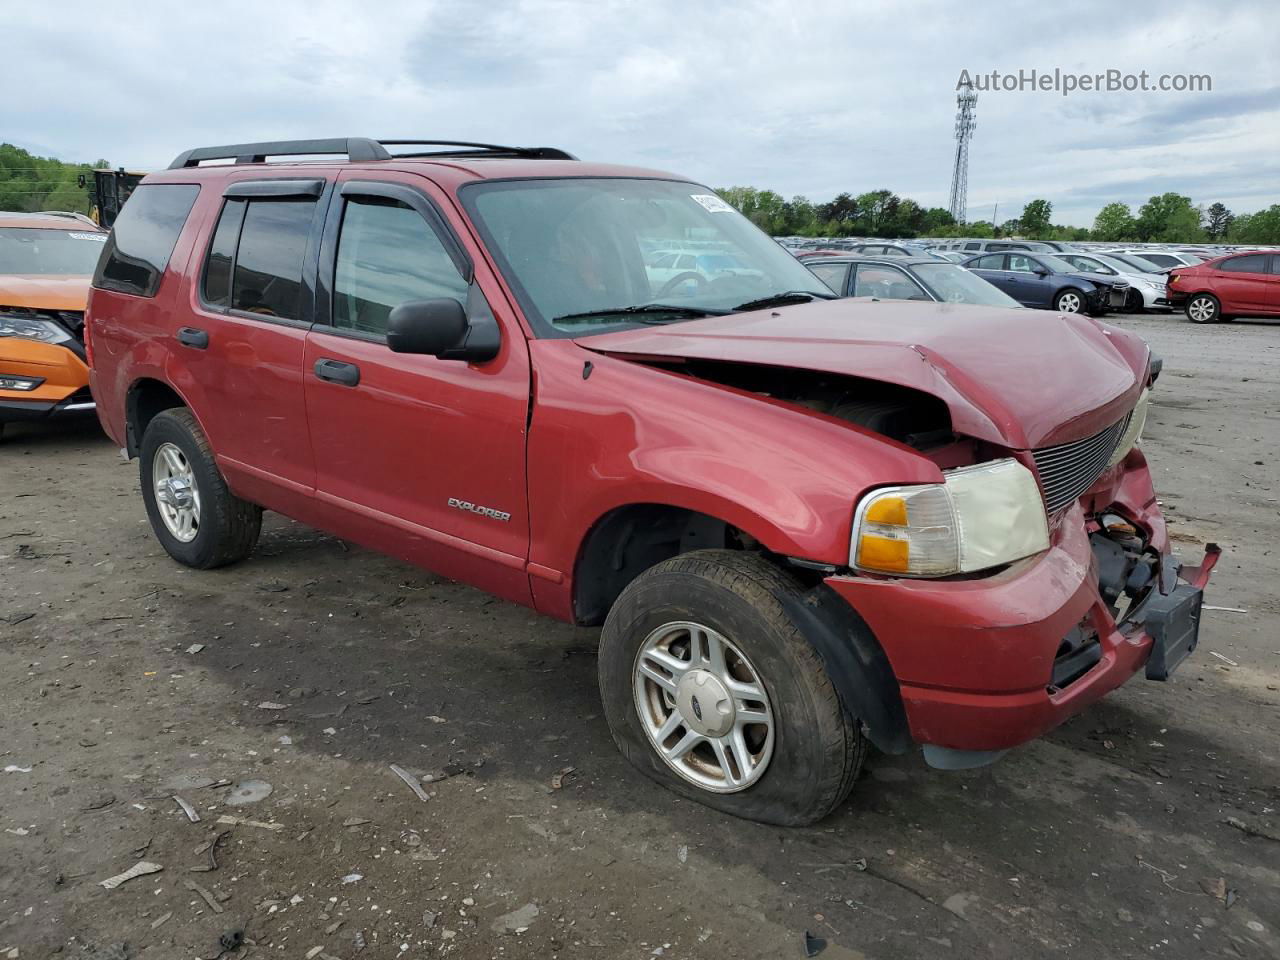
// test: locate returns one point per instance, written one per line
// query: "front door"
(1031, 288)
(417, 456)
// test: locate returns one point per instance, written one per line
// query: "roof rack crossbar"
(357, 149)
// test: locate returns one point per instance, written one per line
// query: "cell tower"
(966, 120)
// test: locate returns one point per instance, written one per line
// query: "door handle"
(191, 337)
(335, 371)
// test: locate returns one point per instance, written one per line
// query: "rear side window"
(832, 274)
(267, 275)
(222, 252)
(1254, 263)
(387, 255)
(143, 237)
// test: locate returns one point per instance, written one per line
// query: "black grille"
(1069, 469)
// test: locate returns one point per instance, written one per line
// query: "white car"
(1150, 285)
(1166, 259)
(664, 266)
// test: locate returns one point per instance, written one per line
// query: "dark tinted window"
(1253, 263)
(143, 236)
(832, 274)
(387, 255)
(268, 275)
(217, 268)
(1275, 263)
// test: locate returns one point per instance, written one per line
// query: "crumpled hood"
(44, 293)
(1019, 378)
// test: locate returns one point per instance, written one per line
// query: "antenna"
(966, 120)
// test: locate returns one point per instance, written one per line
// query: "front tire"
(198, 521)
(712, 689)
(1069, 301)
(1204, 308)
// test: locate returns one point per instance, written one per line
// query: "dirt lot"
(1149, 826)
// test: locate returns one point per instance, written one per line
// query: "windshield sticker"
(100, 237)
(711, 202)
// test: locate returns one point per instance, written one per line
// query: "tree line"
(29, 183)
(1167, 218)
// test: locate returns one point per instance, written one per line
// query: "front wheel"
(711, 688)
(1069, 301)
(197, 520)
(1203, 308)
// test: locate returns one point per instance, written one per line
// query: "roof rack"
(358, 150)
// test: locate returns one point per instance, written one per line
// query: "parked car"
(907, 278)
(806, 526)
(1237, 285)
(991, 246)
(1047, 281)
(46, 261)
(893, 250)
(1136, 262)
(1146, 290)
(1164, 259)
(691, 266)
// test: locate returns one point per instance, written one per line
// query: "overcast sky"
(800, 97)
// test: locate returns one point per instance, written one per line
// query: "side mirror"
(1040, 272)
(427, 326)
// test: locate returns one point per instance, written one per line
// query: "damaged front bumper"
(986, 664)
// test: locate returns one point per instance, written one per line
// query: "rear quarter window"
(143, 237)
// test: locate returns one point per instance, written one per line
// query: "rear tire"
(1204, 308)
(816, 750)
(222, 528)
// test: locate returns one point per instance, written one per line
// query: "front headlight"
(1133, 432)
(980, 517)
(46, 331)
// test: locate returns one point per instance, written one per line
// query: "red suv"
(807, 525)
(1237, 285)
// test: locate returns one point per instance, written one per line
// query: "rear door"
(1244, 283)
(251, 306)
(992, 268)
(420, 457)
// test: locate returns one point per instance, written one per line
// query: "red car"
(807, 525)
(1236, 285)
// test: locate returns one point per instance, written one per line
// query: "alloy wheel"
(177, 495)
(1201, 309)
(703, 706)
(1069, 303)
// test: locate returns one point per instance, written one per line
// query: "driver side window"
(387, 254)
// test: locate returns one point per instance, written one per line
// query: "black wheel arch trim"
(857, 665)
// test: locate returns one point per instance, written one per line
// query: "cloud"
(800, 96)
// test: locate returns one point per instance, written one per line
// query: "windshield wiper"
(782, 299)
(678, 312)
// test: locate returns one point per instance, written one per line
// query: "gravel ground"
(1147, 826)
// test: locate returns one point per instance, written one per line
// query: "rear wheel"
(1069, 301)
(197, 520)
(711, 688)
(1204, 308)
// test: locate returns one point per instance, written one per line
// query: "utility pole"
(966, 120)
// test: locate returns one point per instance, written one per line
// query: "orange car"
(46, 263)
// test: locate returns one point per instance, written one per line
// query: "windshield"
(579, 252)
(1145, 266)
(1119, 266)
(35, 251)
(954, 284)
(1056, 264)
